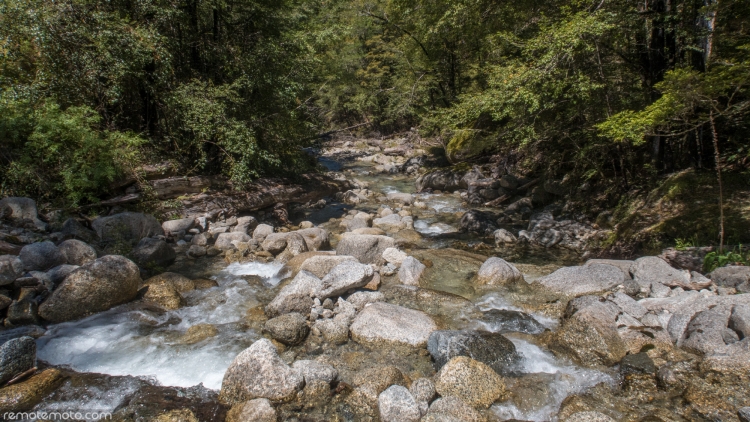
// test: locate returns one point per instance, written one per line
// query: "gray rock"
(654, 269)
(579, 281)
(41, 256)
(623, 265)
(290, 329)
(475, 221)
(628, 305)
(444, 180)
(151, 252)
(262, 231)
(196, 251)
(740, 320)
(11, 267)
(19, 208)
(389, 223)
(320, 265)
(744, 414)
(402, 198)
(410, 272)
(258, 372)
(343, 277)
(423, 390)
(315, 238)
(506, 320)
(471, 381)
(296, 296)
(493, 349)
(176, 226)
(396, 404)
(275, 243)
(228, 241)
(383, 324)
(97, 286)
(127, 227)
(360, 299)
(736, 276)
(367, 249)
(705, 331)
(72, 229)
(245, 225)
(394, 256)
(497, 272)
(637, 363)
(77, 252)
(58, 274)
(503, 236)
(313, 370)
(334, 330)
(16, 357)
(202, 239)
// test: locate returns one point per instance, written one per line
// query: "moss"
(467, 145)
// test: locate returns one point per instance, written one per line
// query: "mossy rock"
(468, 145)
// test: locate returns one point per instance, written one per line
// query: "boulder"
(315, 238)
(320, 265)
(503, 236)
(383, 324)
(127, 227)
(151, 252)
(497, 272)
(16, 357)
(97, 286)
(444, 180)
(736, 276)
(628, 305)
(396, 404)
(261, 232)
(475, 221)
(343, 277)
(296, 296)
(25, 395)
(492, 349)
(423, 391)
(77, 252)
(654, 269)
(622, 264)
(706, 331)
(181, 283)
(295, 245)
(367, 249)
(258, 372)
(360, 299)
(390, 223)
(228, 241)
(740, 320)
(275, 243)
(41, 256)
(196, 251)
(19, 208)
(176, 226)
(163, 293)
(410, 272)
(72, 229)
(313, 370)
(470, 381)
(584, 280)
(401, 198)
(290, 329)
(256, 410)
(245, 225)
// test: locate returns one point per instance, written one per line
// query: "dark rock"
(18, 208)
(77, 252)
(16, 357)
(493, 349)
(505, 320)
(444, 180)
(41, 256)
(72, 229)
(290, 329)
(638, 363)
(152, 252)
(476, 221)
(126, 228)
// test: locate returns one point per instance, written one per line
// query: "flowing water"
(142, 345)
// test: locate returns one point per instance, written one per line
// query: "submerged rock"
(396, 404)
(97, 286)
(493, 349)
(258, 372)
(383, 324)
(470, 381)
(497, 272)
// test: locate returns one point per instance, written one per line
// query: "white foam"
(566, 379)
(133, 341)
(495, 301)
(426, 227)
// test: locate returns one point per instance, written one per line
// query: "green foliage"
(63, 152)
(714, 260)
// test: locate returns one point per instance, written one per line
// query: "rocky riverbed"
(407, 295)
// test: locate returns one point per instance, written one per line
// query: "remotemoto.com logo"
(57, 416)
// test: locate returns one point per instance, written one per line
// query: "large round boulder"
(77, 252)
(496, 272)
(470, 381)
(41, 256)
(127, 227)
(151, 252)
(259, 372)
(97, 286)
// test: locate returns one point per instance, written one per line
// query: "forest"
(609, 94)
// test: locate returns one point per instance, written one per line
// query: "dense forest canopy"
(609, 92)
